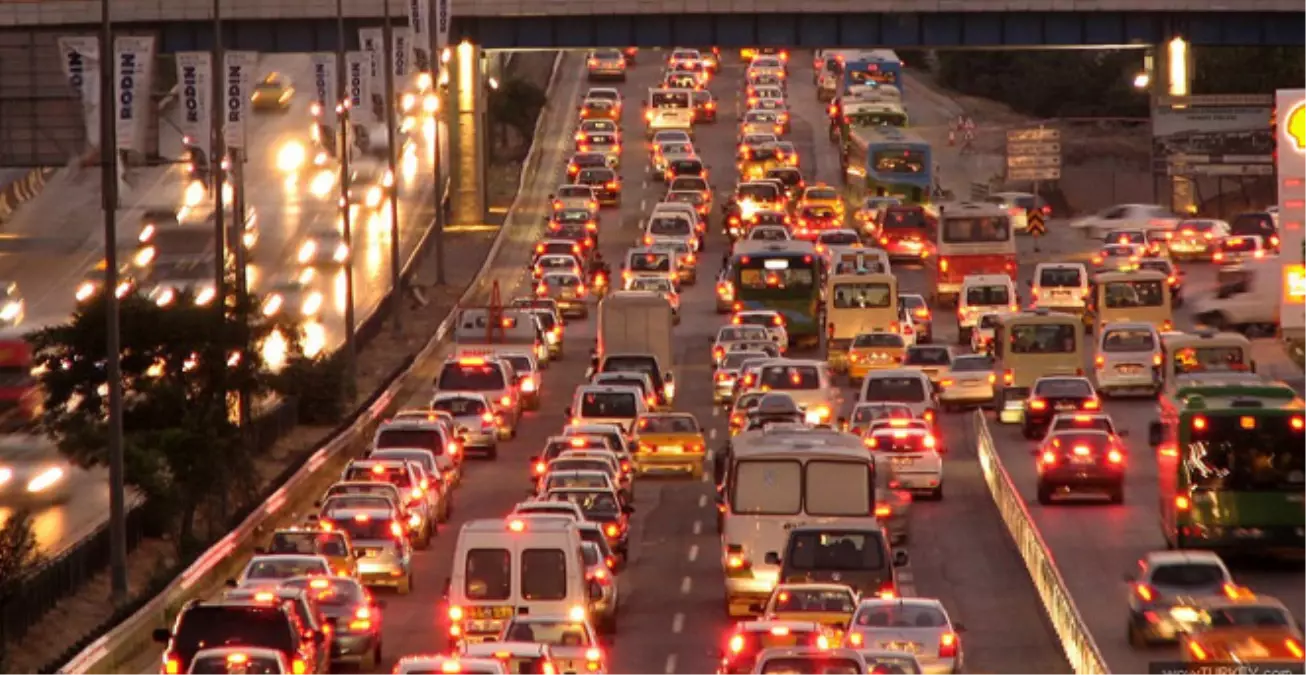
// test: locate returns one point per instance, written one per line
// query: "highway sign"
(1033, 135)
(1039, 173)
(1037, 227)
(1018, 149)
(1029, 161)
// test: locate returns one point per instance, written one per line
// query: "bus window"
(777, 274)
(1189, 360)
(839, 489)
(1121, 294)
(1229, 456)
(862, 295)
(1043, 338)
(976, 230)
(767, 487)
(900, 161)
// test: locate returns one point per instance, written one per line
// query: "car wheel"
(1136, 638)
(937, 493)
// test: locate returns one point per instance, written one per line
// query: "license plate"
(1081, 460)
(483, 613)
(908, 647)
(904, 461)
(1129, 368)
(971, 381)
(781, 641)
(1065, 406)
(669, 448)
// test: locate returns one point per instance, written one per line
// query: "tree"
(19, 556)
(180, 372)
(517, 104)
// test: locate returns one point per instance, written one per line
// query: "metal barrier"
(125, 641)
(1076, 641)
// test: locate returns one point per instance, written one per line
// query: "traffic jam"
(798, 358)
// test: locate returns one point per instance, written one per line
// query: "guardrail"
(1076, 641)
(116, 648)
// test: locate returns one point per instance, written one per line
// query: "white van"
(1247, 295)
(1060, 286)
(1128, 358)
(502, 568)
(807, 382)
(981, 294)
(607, 404)
(908, 387)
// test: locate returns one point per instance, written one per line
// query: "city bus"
(973, 238)
(887, 162)
(856, 113)
(1142, 296)
(876, 66)
(1230, 466)
(784, 276)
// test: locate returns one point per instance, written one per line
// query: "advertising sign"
(1209, 136)
(324, 86)
(195, 80)
(237, 73)
(80, 57)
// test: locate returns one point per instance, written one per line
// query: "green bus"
(887, 161)
(784, 276)
(1230, 464)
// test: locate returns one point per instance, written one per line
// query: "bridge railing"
(1076, 640)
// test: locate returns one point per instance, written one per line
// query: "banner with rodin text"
(443, 20)
(195, 87)
(237, 73)
(419, 29)
(402, 59)
(372, 41)
(133, 72)
(359, 87)
(324, 86)
(80, 57)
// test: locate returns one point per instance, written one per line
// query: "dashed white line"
(677, 623)
(693, 551)
(698, 527)
(643, 205)
(671, 664)
(711, 433)
(685, 585)
(702, 501)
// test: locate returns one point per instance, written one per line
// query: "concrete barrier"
(23, 190)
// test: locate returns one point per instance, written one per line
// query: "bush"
(319, 386)
(516, 104)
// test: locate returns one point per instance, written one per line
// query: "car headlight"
(45, 479)
(165, 297)
(373, 198)
(205, 296)
(6, 475)
(147, 233)
(10, 311)
(272, 305)
(291, 156)
(312, 304)
(342, 252)
(144, 256)
(307, 250)
(1184, 614)
(85, 291)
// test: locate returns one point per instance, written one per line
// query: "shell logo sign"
(1294, 126)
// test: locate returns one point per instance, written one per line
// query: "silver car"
(270, 570)
(917, 626)
(472, 413)
(574, 645)
(969, 380)
(728, 371)
(604, 609)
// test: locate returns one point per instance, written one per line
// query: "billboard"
(1290, 136)
(1209, 136)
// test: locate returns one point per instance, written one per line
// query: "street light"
(1142, 80)
(1178, 64)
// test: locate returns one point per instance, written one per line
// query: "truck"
(1248, 297)
(635, 333)
(486, 331)
(20, 391)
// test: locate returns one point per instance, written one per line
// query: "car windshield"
(899, 389)
(882, 340)
(1059, 388)
(927, 356)
(618, 404)
(1128, 340)
(667, 424)
(459, 407)
(899, 615)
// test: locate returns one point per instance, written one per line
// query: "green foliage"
(1247, 70)
(319, 385)
(517, 104)
(19, 556)
(181, 369)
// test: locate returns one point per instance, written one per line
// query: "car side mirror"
(1155, 431)
(230, 583)
(900, 558)
(161, 635)
(771, 558)
(566, 411)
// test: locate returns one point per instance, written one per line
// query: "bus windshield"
(976, 230)
(900, 160)
(779, 274)
(1228, 455)
(862, 295)
(1213, 359)
(877, 118)
(1123, 294)
(1044, 338)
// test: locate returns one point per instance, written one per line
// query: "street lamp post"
(396, 296)
(347, 230)
(113, 367)
(438, 59)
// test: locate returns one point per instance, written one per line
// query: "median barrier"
(122, 646)
(1076, 641)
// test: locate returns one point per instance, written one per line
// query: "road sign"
(1031, 161)
(1037, 227)
(1032, 135)
(1046, 148)
(1037, 173)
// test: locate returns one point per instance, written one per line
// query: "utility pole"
(113, 368)
(396, 293)
(437, 62)
(347, 229)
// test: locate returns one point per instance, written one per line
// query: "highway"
(672, 618)
(51, 242)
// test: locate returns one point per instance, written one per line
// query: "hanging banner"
(324, 86)
(403, 57)
(372, 41)
(359, 85)
(443, 20)
(133, 71)
(237, 73)
(419, 31)
(195, 77)
(81, 58)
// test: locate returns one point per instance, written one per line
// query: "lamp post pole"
(347, 229)
(388, 109)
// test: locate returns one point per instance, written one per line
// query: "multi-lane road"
(51, 243)
(672, 593)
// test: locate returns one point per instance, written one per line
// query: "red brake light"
(1049, 457)
(1038, 404)
(171, 665)
(948, 645)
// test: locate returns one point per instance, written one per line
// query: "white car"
(986, 326)
(577, 196)
(888, 623)
(771, 320)
(731, 334)
(1128, 358)
(1140, 216)
(1112, 257)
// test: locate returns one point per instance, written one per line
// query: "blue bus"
(885, 161)
(877, 67)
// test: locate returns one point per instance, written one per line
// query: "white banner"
(81, 65)
(359, 87)
(324, 86)
(372, 41)
(237, 74)
(419, 30)
(195, 77)
(403, 54)
(443, 20)
(133, 73)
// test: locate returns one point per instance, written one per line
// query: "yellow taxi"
(333, 545)
(272, 93)
(1245, 628)
(669, 443)
(874, 351)
(830, 605)
(821, 194)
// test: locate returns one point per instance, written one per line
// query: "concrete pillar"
(468, 110)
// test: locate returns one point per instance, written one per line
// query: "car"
(986, 326)
(1235, 249)
(529, 382)
(922, 625)
(829, 604)
(334, 546)
(575, 196)
(165, 287)
(771, 320)
(93, 282)
(1112, 257)
(1088, 460)
(568, 289)
(453, 664)
(969, 380)
(323, 246)
(705, 106)
(606, 142)
(1099, 421)
(604, 507)
(574, 644)
(601, 569)
(1056, 394)
(1164, 585)
(551, 323)
(600, 108)
(606, 184)
(1174, 276)
(240, 659)
(874, 351)
(915, 453)
(1263, 224)
(293, 297)
(272, 93)
(370, 183)
(303, 602)
(669, 442)
(866, 414)
(663, 287)
(1128, 359)
(586, 160)
(933, 360)
(275, 627)
(560, 247)
(1145, 216)
(405, 472)
(1195, 238)
(605, 93)
(730, 333)
(555, 262)
(474, 414)
(605, 64)
(268, 570)
(922, 321)
(809, 660)
(517, 657)
(728, 372)
(490, 377)
(1245, 629)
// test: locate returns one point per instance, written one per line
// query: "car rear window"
(927, 356)
(487, 574)
(471, 377)
(250, 665)
(1252, 223)
(427, 439)
(835, 551)
(1054, 388)
(1055, 277)
(812, 665)
(903, 615)
(459, 407)
(887, 340)
(1187, 575)
(790, 378)
(900, 389)
(620, 404)
(1128, 340)
(206, 626)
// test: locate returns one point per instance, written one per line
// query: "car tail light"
(1099, 362)
(171, 664)
(1293, 648)
(736, 561)
(1181, 503)
(298, 666)
(887, 591)
(362, 620)
(922, 314)
(540, 468)
(505, 400)
(487, 420)
(648, 115)
(1218, 256)
(1144, 592)
(1048, 457)
(611, 530)
(1092, 404)
(1038, 404)
(948, 646)
(736, 643)
(883, 511)
(1008, 377)
(1197, 652)
(594, 63)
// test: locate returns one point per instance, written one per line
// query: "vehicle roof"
(1154, 558)
(767, 624)
(998, 279)
(501, 525)
(876, 601)
(1040, 316)
(1132, 275)
(1129, 325)
(807, 586)
(805, 441)
(528, 649)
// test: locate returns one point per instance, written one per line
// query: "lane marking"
(706, 478)
(677, 623)
(671, 664)
(698, 527)
(702, 501)
(685, 585)
(643, 205)
(711, 433)
(693, 551)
